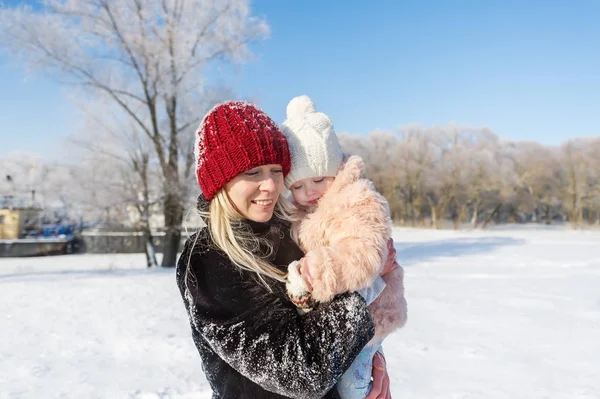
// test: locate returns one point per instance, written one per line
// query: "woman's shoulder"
(197, 244)
(208, 267)
(199, 252)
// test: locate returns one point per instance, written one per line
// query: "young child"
(344, 227)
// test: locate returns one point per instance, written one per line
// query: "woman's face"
(254, 192)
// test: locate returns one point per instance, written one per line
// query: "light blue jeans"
(356, 381)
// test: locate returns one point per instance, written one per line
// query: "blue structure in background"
(59, 230)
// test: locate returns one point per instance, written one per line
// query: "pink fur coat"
(345, 241)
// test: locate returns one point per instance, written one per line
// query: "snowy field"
(504, 313)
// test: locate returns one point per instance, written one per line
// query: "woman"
(252, 341)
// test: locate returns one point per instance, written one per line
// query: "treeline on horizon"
(448, 176)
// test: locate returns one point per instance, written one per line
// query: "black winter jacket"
(253, 343)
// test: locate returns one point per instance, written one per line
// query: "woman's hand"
(381, 379)
(390, 263)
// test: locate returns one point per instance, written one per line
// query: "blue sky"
(529, 70)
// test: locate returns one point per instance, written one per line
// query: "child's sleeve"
(373, 291)
(356, 252)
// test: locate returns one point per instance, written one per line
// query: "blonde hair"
(238, 241)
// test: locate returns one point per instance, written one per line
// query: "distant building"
(14, 221)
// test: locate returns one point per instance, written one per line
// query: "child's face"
(307, 192)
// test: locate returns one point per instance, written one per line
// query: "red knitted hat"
(235, 137)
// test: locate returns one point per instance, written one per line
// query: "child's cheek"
(295, 196)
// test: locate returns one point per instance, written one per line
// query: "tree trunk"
(547, 215)
(442, 210)
(420, 217)
(459, 218)
(140, 165)
(434, 222)
(491, 216)
(149, 245)
(173, 210)
(512, 216)
(150, 249)
(574, 213)
(474, 219)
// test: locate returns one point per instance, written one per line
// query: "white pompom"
(299, 106)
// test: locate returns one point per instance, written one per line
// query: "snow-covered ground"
(504, 313)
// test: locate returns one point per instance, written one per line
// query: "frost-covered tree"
(445, 180)
(457, 173)
(413, 160)
(149, 58)
(538, 179)
(483, 169)
(575, 171)
(123, 155)
(593, 202)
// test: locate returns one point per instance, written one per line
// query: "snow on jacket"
(345, 240)
(253, 343)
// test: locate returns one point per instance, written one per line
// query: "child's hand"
(390, 263)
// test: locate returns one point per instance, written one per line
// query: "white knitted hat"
(314, 146)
